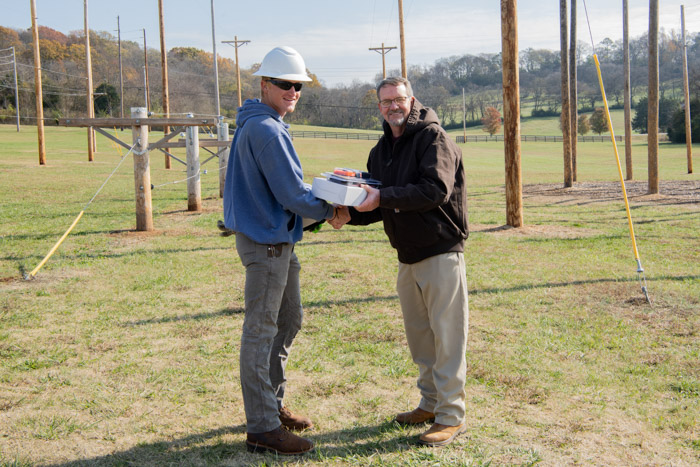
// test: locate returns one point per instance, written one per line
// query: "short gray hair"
(395, 81)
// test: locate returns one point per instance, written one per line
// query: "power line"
(51, 71)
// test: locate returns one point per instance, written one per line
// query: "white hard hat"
(283, 63)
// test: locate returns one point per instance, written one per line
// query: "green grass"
(124, 348)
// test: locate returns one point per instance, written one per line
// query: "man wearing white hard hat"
(265, 199)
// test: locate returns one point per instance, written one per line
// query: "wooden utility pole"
(216, 63)
(37, 88)
(511, 112)
(565, 108)
(404, 71)
(382, 50)
(121, 74)
(90, 105)
(164, 68)
(142, 172)
(145, 66)
(573, 91)
(653, 108)
(686, 93)
(627, 90)
(194, 185)
(236, 44)
(222, 135)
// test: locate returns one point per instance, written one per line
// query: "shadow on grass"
(547, 285)
(389, 298)
(195, 317)
(206, 449)
(235, 311)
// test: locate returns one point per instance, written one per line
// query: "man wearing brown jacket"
(422, 202)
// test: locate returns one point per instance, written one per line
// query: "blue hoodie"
(265, 196)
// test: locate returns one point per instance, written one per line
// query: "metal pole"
(216, 68)
(14, 63)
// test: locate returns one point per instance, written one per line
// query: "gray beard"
(397, 122)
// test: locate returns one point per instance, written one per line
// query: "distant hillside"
(192, 86)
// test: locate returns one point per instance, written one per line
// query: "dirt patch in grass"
(670, 192)
(551, 231)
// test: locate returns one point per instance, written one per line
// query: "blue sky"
(335, 36)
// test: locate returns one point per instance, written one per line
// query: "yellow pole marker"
(55, 247)
(75, 222)
(640, 270)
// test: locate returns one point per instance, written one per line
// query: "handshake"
(341, 214)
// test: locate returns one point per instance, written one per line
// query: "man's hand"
(340, 217)
(371, 202)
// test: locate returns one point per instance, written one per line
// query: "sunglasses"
(285, 85)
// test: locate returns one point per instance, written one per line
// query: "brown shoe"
(440, 435)
(294, 422)
(278, 441)
(415, 417)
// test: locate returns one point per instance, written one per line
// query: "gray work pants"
(273, 316)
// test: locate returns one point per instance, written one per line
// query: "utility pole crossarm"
(236, 43)
(112, 122)
(382, 50)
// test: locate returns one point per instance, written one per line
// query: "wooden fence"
(540, 138)
(459, 139)
(336, 135)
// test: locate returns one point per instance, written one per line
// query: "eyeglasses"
(285, 85)
(386, 103)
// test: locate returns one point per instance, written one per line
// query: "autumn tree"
(491, 121)
(584, 125)
(599, 124)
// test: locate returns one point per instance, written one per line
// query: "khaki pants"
(435, 305)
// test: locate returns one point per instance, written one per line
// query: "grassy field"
(124, 348)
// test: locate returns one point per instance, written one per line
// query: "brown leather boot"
(278, 441)
(415, 417)
(294, 422)
(441, 435)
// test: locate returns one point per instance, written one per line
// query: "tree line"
(192, 85)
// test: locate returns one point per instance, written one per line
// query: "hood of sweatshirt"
(253, 108)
